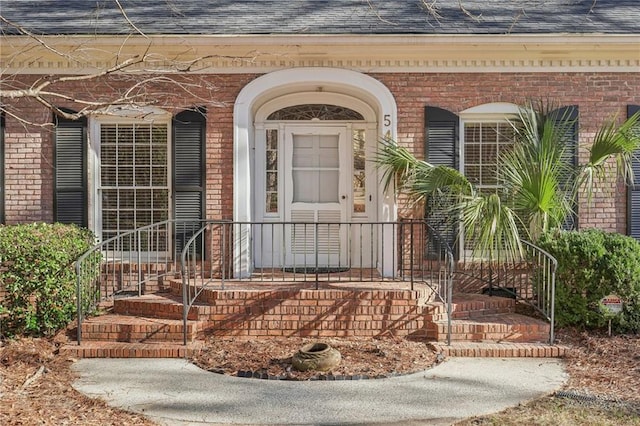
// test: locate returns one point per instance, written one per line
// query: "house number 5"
(387, 120)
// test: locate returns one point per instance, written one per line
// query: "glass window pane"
(134, 157)
(316, 111)
(472, 154)
(328, 153)
(303, 152)
(359, 165)
(328, 185)
(272, 181)
(305, 186)
(472, 133)
(272, 202)
(472, 173)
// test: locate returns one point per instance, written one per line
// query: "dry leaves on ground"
(35, 388)
(35, 382)
(605, 366)
(360, 356)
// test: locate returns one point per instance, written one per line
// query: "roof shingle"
(358, 17)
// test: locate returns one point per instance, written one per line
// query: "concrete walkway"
(175, 392)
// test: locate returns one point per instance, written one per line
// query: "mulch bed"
(35, 381)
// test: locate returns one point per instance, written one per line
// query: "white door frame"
(279, 83)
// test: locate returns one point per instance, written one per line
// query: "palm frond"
(612, 142)
(492, 226)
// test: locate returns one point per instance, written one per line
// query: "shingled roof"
(358, 17)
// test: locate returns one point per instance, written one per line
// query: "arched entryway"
(303, 141)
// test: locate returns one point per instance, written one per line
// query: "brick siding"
(29, 149)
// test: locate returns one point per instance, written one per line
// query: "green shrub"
(37, 271)
(591, 265)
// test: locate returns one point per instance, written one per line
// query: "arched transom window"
(316, 112)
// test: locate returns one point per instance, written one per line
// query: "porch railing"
(530, 280)
(309, 253)
(129, 262)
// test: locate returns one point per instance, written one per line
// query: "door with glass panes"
(316, 195)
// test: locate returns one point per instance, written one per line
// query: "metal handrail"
(546, 285)
(122, 264)
(530, 280)
(411, 241)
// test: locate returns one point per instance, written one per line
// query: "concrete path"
(175, 392)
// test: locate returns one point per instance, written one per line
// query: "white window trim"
(121, 115)
(485, 113)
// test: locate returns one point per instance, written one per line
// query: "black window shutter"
(633, 192)
(441, 132)
(569, 114)
(188, 172)
(70, 193)
(441, 148)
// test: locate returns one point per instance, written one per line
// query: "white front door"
(316, 195)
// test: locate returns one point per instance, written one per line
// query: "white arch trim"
(290, 81)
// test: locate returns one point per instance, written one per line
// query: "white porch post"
(242, 160)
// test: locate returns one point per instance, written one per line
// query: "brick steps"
(500, 350)
(103, 349)
(466, 306)
(134, 329)
(495, 327)
(159, 306)
(346, 311)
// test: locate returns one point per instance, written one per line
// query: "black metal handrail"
(305, 251)
(126, 262)
(530, 280)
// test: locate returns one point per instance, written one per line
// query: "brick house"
(393, 68)
(270, 112)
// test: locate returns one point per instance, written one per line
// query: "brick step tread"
(500, 350)
(108, 349)
(479, 302)
(126, 328)
(506, 319)
(159, 305)
(499, 327)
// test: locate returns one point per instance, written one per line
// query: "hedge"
(591, 265)
(38, 275)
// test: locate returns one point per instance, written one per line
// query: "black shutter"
(633, 192)
(188, 172)
(441, 148)
(2, 169)
(70, 193)
(568, 118)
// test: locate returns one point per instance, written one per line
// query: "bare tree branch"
(124, 14)
(464, 10)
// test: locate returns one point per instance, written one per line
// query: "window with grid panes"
(134, 181)
(483, 144)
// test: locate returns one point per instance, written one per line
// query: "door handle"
(344, 197)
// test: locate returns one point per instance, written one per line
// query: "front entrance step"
(500, 350)
(496, 327)
(104, 349)
(159, 306)
(466, 306)
(479, 305)
(122, 328)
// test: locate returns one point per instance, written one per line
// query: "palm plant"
(538, 187)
